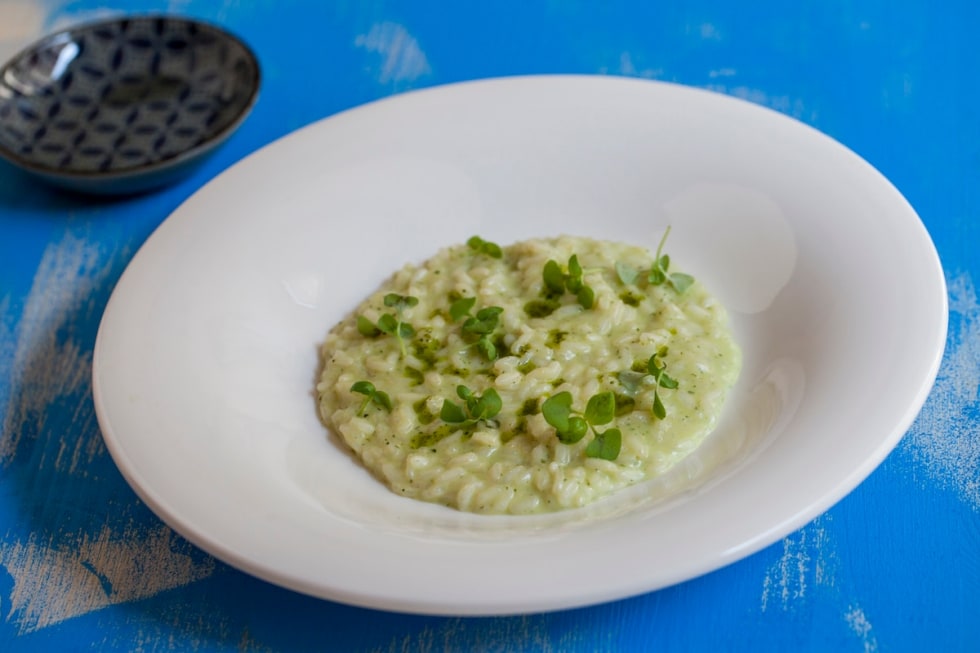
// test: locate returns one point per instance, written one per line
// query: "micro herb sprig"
(556, 282)
(480, 326)
(390, 323)
(481, 246)
(657, 368)
(660, 272)
(571, 427)
(627, 273)
(371, 395)
(474, 409)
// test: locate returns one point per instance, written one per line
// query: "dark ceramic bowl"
(124, 105)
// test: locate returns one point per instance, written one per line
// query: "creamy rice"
(514, 462)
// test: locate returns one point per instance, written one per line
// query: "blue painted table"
(895, 566)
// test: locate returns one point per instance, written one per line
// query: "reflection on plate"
(206, 358)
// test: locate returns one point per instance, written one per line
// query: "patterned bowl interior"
(123, 95)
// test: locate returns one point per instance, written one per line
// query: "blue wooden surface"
(895, 566)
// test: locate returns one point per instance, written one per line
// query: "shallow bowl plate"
(207, 354)
(124, 105)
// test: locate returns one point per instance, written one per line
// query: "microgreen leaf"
(371, 394)
(474, 408)
(382, 399)
(574, 280)
(681, 281)
(556, 410)
(658, 406)
(626, 273)
(577, 428)
(601, 408)
(571, 427)
(488, 405)
(400, 302)
(553, 277)
(452, 413)
(492, 250)
(405, 330)
(482, 325)
(667, 381)
(556, 282)
(606, 445)
(656, 276)
(631, 381)
(391, 323)
(485, 320)
(388, 323)
(366, 327)
(657, 368)
(461, 308)
(364, 388)
(486, 347)
(660, 272)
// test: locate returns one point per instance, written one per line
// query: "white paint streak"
(786, 580)
(628, 68)
(45, 366)
(65, 574)
(809, 557)
(54, 584)
(487, 635)
(722, 72)
(859, 623)
(945, 439)
(402, 59)
(708, 32)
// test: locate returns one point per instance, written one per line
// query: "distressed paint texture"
(944, 442)
(46, 361)
(859, 623)
(56, 582)
(84, 566)
(806, 574)
(534, 633)
(399, 58)
(72, 562)
(809, 561)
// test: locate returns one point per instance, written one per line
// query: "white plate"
(206, 356)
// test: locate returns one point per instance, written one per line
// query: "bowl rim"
(144, 168)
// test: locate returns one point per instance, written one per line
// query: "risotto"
(530, 378)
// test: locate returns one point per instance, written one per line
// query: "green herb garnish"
(461, 308)
(626, 273)
(660, 272)
(657, 368)
(571, 427)
(474, 409)
(479, 328)
(390, 323)
(556, 282)
(631, 380)
(371, 395)
(492, 250)
(606, 445)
